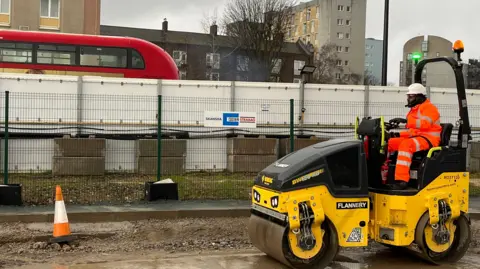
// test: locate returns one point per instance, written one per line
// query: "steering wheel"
(391, 125)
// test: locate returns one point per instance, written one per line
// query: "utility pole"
(385, 43)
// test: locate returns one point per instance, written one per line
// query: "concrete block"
(299, 143)
(170, 147)
(249, 163)
(474, 165)
(252, 146)
(475, 150)
(170, 165)
(79, 147)
(78, 166)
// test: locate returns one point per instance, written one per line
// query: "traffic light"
(416, 56)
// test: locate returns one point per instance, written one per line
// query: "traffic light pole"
(385, 43)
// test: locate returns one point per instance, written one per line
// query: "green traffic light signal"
(416, 57)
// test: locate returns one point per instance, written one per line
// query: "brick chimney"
(214, 30)
(165, 25)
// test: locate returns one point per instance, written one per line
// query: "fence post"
(366, 101)
(292, 122)
(5, 164)
(159, 137)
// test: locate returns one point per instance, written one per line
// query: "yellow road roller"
(308, 204)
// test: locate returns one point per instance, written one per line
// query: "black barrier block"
(161, 191)
(11, 194)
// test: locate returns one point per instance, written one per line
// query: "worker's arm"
(427, 118)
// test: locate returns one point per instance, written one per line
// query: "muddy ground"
(22, 244)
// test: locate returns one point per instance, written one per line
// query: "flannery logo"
(352, 205)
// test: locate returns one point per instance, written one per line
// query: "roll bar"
(464, 130)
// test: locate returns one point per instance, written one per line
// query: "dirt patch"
(19, 242)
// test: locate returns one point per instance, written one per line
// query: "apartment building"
(341, 22)
(373, 61)
(71, 16)
(434, 74)
(212, 56)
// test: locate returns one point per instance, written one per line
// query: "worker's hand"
(398, 120)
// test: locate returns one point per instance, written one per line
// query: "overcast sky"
(451, 19)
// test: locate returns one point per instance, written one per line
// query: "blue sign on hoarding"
(231, 119)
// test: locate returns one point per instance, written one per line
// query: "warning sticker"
(355, 236)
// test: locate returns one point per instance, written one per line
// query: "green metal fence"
(102, 149)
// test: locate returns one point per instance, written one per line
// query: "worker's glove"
(398, 120)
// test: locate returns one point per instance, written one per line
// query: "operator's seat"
(445, 134)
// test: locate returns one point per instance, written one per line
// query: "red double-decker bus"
(83, 55)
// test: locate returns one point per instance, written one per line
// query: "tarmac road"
(254, 260)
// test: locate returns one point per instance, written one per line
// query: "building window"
(312, 27)
(213, 60)
(297, 66)
(52, 54)
(349, 9)
(347, 49)
(304, 28)
(339, 49)
(5, 7)
(340, 8)
(346, 63)
(180, 57)
(104, 57)
(50, 8)
(242, 63)
(16, 52)
(347, 35)
(424, 46)
(340, 21)
(182, 74)
(348, 22)
(339, 62)
(337, 75)
(438, 54)
(340, 35)
(308, 14)
(277, 65)
(213, 76)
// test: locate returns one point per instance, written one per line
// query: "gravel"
(26, 243)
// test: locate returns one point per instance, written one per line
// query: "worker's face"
(411, 98)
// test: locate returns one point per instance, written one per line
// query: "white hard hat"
(416, 88)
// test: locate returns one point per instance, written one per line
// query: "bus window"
(137, 60)
(52, 54)
(16, 52)
(104, 57)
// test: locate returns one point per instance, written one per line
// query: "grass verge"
(39, 189)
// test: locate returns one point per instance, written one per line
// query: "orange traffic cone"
(61, 227)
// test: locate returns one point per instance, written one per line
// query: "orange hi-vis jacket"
(424, 120)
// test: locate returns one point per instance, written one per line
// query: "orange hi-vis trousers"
(406, 147)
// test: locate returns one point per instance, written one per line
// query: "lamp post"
(306, 70)
(385, 43)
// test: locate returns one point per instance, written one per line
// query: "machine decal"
(355, 236)
(352, 205)
(308, 176)
(282, 165)
(267, 180)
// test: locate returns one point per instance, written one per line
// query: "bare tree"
(210, 19)
(258, 27)
(326, 63)
(370, 79)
